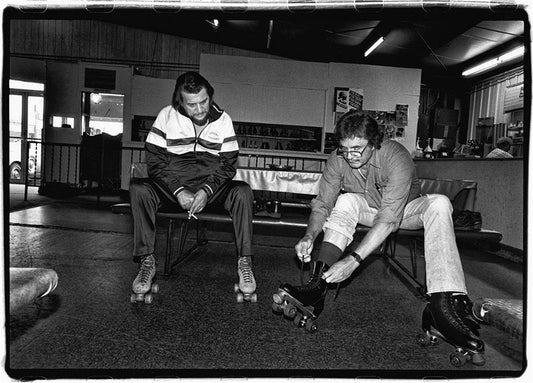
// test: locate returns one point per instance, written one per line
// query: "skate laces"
(147, 265)
(449, 309)
(246, 269)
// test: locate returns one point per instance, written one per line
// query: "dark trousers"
(148, 196)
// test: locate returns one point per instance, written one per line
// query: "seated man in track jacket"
(191, 153)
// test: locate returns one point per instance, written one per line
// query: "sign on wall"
(347, 99)
(514, 98)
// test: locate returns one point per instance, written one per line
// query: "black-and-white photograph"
(270, 189)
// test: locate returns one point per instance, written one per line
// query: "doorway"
(100, 154)
(26, 107)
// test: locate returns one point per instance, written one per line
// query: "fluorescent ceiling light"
(512, 54)
(517, 52)
(374, 46)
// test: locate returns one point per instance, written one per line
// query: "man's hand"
(340, 270)
(303, 248)
(185, 199)
(199, 202)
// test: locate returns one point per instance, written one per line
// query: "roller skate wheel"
(133, 298)
(289, 310)
(236, 288)
(240, 298)
(297, 319)
(277, 299)
(423, 339)
(311, 326)
(148, 299)
(155, 288)
(458, 359)
(478, 359)
(276, 308)
(253, 298)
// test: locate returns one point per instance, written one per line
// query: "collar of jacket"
(214, 112)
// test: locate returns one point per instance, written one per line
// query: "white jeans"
(433, 213)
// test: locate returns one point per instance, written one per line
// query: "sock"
(329, 253)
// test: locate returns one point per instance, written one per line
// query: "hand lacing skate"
(246, 276)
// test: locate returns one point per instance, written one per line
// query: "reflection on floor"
(195, 327)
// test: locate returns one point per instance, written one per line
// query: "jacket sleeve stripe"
(158, 132)
(230, 146)
(210, 145)
(181, 141)
(156, 139)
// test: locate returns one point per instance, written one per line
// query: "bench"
(28, 284)
(461, 193)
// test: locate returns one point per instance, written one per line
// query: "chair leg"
(183, 255)
(412, 251)
(390, 243)
(168, 253)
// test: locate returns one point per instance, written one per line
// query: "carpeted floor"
(196, 328)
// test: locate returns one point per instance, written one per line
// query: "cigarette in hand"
(192, 215)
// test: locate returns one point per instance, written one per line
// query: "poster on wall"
(401, 114)
(347, 99)
(389, 124)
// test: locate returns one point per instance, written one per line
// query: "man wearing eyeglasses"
(373, 183)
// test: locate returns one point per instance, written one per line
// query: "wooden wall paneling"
(48, 38)
(58, 32)
(120, 38)
(17, 30)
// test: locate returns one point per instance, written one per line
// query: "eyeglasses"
(354, 153)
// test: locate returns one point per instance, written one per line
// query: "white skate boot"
(142, 286)
(245, 289)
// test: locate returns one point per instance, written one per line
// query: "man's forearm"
(314, 225)
(374, 238)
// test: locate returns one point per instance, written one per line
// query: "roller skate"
(142, 286)
(447, 317)
(465, 309)
(304, 303)
(245, 289)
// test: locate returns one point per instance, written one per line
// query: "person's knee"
(243, 192)
(348, 202)
(440, 203)
(138, 190)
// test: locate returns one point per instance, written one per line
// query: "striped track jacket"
(180, 159)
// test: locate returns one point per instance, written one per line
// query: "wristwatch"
(357, 257)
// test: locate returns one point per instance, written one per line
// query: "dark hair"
(359, 124)
(190, 82)
(504, 145)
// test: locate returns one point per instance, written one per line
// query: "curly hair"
(355, 123)
(190, 82)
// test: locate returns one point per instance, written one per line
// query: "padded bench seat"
(462, 194)
(29, 284)
(295, 218)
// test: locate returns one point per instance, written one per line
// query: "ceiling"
(442, 42)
